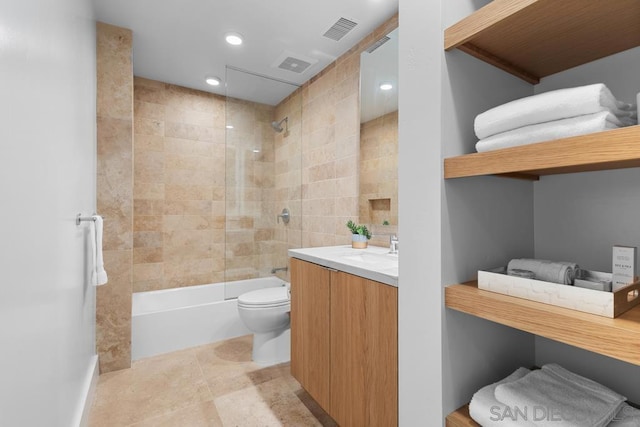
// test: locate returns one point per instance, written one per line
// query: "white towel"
(627, 416)
(487, 411)
(560, 272)
(567, 399)
(565, 128)
(549, 106)
(98, 275)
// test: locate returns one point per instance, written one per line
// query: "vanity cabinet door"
(364, 352)
(310, 296)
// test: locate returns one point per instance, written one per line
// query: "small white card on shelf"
(624, 266)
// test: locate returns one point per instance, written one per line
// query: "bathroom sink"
(374, 262)
(373, 259)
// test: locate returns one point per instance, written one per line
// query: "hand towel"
(487, 411)
(565, 128)
(563, 273)
(562, 398)
(98, 274)
(627, 416)
(549, 106)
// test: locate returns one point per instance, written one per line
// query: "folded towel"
(549, 106)
(627, 416)
(561, 272)
(98, 275)
(487, 411)
(565, 128)
(562, 398)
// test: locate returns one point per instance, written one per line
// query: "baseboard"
(88, 394)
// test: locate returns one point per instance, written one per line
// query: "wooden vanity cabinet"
(351, 325)
(310, 323)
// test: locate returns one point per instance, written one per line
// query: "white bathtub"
(173, 319)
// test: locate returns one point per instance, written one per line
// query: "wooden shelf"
(612, 149)
(618, 338)
(461, 418)
(532, 39)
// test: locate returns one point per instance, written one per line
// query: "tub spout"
(275, 270)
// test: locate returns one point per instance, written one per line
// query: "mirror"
(378, 204)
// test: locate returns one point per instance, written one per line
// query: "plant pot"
(358, 241)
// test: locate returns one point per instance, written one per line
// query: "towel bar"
(80, 218)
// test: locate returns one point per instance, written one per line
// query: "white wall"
(581, 216)
(47, 175)
(419, 172)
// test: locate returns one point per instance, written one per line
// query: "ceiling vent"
(340, 29)
(377, 44)
(294, 64)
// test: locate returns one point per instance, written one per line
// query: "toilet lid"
(266, 296)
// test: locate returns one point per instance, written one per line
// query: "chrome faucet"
(275, 270)
(393, 244)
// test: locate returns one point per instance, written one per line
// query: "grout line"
(203, 377)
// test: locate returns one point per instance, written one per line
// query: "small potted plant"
(359, 235)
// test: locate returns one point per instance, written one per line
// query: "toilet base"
(271, 348)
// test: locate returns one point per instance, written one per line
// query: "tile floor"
(211, 385)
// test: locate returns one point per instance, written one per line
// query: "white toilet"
(266, 313)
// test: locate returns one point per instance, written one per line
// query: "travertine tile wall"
(379, 170)
(288, 179)
(250, 190)
(179, 186)
(330, 146)
(115, 193)
(203, 210)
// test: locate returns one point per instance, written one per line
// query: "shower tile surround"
(189, 227)
(179, 179)
(180, 223)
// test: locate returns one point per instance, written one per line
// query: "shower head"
(277, 126)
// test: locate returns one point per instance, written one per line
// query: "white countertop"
(374, 263)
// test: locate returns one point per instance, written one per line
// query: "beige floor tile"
(212, 385)
(270, 404)
(152, 387)
(227, 366)
(203, 414)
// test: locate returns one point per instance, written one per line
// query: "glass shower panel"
(263, 175)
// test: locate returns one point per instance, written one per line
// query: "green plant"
(385, 222)
(359, 229)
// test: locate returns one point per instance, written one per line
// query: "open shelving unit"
(461, 418)
(532, 39)
(618, 338)
(612, 149)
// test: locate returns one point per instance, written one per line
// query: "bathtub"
(174, 319)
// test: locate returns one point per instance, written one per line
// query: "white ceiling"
(182, 41)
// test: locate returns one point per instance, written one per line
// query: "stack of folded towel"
(551, 396)
(551, 115)
(560, 272)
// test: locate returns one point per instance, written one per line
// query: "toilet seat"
(265, 298)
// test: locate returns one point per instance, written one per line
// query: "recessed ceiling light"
(212, 80)
(234, 39)
(229, 126)
(255, 150)
(386, 86)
